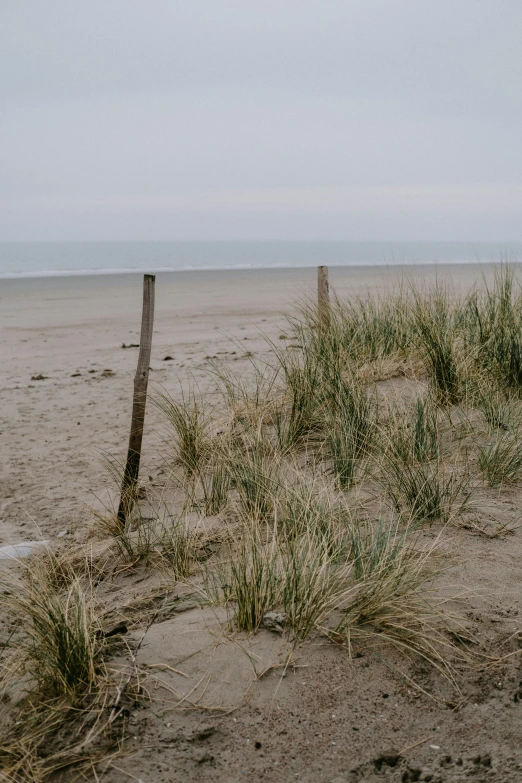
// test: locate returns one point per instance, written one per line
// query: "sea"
(47, 259)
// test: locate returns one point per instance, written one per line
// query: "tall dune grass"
(316, 473)
(60, 663)
(349, 426)
(435, 325)
(62, 645)
(189, 421)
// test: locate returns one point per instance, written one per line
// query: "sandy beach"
(66, 392)
(71, 331)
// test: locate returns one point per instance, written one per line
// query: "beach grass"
(315, 476)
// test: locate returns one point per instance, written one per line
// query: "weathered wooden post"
(141, 379)
(323, 296)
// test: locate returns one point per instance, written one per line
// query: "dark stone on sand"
(168, 359)
(39, 377)
(118, 630)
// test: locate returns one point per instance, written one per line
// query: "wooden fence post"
(323, 296)
(141, 379)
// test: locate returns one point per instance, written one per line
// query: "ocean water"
(43, 259)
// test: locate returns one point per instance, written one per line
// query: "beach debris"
(108, 373)
(76, 375)
(22, 550)
(117, 630)
(39, 377)
(91, 371)
(130, 345)
(61, 534)
(275, 621)
(168, 359)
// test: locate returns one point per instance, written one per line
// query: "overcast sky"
(261, 119)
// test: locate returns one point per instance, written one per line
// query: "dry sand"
(71, 330)
(331, 718)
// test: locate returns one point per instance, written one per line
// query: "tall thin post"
(141, 379)
(323, 296)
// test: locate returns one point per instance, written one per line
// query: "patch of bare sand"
(194, 660)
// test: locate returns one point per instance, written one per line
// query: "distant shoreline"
(57, 273)
(94, 259)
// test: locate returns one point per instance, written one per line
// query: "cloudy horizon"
(362, 119)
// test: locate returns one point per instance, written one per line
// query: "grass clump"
(297, 576)
(248, 398)
(435, 327)
(63, 645)
(424, 491)
(391, 604)
(361, 329)
(215, 483)
(501, 411)
(507, 351)
(189, 419)
(501, 459)
(378, 548)
(164, 539)
(297, 415)
(249, 580)
(425, 440)
(306, 508)
(375, 327)
(386, 567)
(312, 581)
(414, 474)
(63, 715)
(254, 469)
(349, 428)
(494, 329)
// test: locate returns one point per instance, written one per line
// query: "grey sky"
(181, 119)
